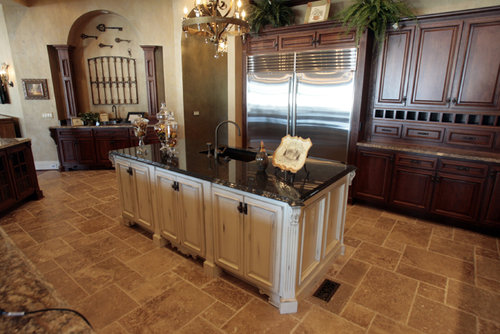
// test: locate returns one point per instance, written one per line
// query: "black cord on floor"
(22, 314)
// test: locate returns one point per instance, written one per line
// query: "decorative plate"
(292, 153)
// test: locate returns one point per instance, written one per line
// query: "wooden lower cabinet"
(180, 211)
(246, 237)
(108, 140)
(373, 176)
(411, 188)
(491, 207)
(134, 183)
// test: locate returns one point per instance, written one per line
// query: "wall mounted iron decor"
(113, 80)
(118, 40)
(103, 28)
(105, 45)
(84, 36)
(35, 89)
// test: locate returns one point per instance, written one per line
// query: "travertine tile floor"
(398, 275)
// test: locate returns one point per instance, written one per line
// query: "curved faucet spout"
(114, 110)
(216, 147)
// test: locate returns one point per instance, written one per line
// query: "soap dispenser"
(261, 158)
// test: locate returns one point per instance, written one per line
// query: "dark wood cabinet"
(76, 148)
(108, 140)
(18, 179)
(491, 204)
(373, 176)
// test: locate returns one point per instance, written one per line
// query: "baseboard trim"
(46, 165)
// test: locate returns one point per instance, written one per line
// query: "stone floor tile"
(358, 314)
(303, 308)
(154, 287)
(51, 231)
(383, 325)
(452, 248)
(438, 264)
(113, 328)
(377, 292)
(439, 230)
(168, 312)
(376, 255)
(66, 286)
(492, 254)
(106, 306)
(385, 223)
(411, 233)
(353, 272)
(367, 233)
(398, 216)
(259, 317)
(140, 242)
(487, 284)
(394, 245)
(319, 321)
(474, 238)
(199, 326)
(48, 250)
(481, 302)
(192, 271)
(338, 301)
(488, 268)
(22, 239)
(95, 224)
(155, 262)
(227, 293)
(422, 275)
(218, 314)
(431, 292)
(488, 327)
(365, 211)
(436, 318)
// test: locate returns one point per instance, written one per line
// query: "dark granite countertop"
(293, 189)
(7, 142)
(436, 151)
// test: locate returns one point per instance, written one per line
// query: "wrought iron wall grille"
(113, 80)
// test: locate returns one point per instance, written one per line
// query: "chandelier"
(214, 20)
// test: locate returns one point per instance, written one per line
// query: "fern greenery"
(265, 12)
(374, 15)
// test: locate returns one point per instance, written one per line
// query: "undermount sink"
(115, 122)
(235, 154)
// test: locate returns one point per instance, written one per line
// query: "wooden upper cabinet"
(262, 44)
(297, 41)
(433, 63)
(477, 81)
(394, 67)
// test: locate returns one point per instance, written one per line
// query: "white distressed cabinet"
(134, 182)
(180, 213)
(247, 235)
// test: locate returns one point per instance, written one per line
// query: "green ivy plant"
(374, 15)
(89, 118)
(267, 12)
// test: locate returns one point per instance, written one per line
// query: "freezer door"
(323, 106)
(268, 108)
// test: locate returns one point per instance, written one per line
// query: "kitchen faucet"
(216, 149)
(114, 110)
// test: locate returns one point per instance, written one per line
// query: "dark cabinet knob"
(240, 207)
(448, 100)
(130, 171)
(454, 100)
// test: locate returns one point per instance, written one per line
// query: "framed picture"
(133, 115)
(292, 153)
(76, 121)
(103, 117)
(35, 89)
(317, 11)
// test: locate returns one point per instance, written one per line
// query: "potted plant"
(89, 118)
(374, 15)
(266, 12)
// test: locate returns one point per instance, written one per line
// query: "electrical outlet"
(48, 115)
(196, 113)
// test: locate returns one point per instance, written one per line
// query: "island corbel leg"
(288, 301)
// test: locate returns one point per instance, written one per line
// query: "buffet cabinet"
(88, 147)
(461, 189)
(18, 179)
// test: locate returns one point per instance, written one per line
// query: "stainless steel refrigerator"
(306, 94)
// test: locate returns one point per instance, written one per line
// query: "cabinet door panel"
(190, 202)
(7, 191)
(393, 68)
(372, 179)
(142, 186)
(492, 205)
(457, 196)
(411, 188)
(167, 206)
(86, 150)
(333, 225)
(334, 37)
(68, 150)
(477, 82)
(261, 226)
(228, 230)
(297, 41)
(126, 191)
(434, 61)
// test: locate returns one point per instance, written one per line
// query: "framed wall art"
(35, 89)
(317, 11)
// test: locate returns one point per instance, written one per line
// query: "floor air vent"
(326, 290)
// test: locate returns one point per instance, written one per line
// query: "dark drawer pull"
(463, 168)
(385, 130)
(130, 171)
(415, 161)
(423, 133)
(469, 138)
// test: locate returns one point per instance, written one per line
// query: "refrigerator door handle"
(290, 104)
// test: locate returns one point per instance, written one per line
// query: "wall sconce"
(4, 75)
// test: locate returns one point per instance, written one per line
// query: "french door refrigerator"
(306, 94)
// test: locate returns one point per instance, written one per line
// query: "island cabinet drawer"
(414, 133)
(483, 139)
(416, 161)
(384, 130)
(463, 168)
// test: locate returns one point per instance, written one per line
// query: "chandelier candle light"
(214, 20)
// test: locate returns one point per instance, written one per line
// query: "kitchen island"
(275, 230)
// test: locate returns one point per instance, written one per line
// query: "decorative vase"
(261, 158)
(140, 129)
(166, 129)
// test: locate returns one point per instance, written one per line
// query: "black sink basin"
(235, 154)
